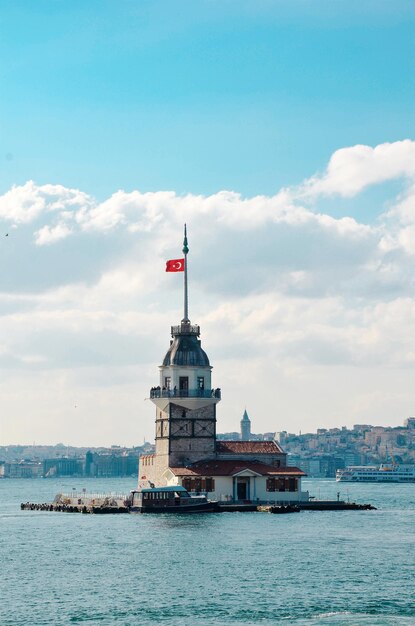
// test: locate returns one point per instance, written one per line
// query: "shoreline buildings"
(322, 453)
(56, 461)
(187, 450)
(318, 454)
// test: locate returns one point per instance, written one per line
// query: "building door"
(184, 385)
(242, 489)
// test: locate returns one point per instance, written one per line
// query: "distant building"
(21, 469)
(233, 436)
(62, 467)
(115, 465)
(89, 464)
(245, 427)
(280, 437)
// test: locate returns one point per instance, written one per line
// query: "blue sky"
(198, 96)
(282, 133)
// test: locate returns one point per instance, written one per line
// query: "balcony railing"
(157, 392)
(185, 329)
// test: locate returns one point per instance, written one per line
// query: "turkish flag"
(175, 265)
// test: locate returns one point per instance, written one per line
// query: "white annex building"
(187, 451)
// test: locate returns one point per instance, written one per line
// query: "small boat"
(174, 499)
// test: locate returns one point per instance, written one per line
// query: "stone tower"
(245, 427)
(184, 398)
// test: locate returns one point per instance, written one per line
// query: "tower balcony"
(157, 392)
(186, 398)
(185, 328)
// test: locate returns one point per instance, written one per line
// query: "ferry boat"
(174, 499)
(384, 473)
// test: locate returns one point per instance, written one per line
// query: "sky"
(283, 134)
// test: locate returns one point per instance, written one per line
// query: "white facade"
(226, 488)
(193, 373)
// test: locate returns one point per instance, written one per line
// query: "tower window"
(167, 382)
(200, 382)
(183, 385)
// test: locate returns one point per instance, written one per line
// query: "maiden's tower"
(187, 452)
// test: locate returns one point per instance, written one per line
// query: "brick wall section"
(192, 434)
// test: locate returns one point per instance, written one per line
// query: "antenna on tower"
(186, 298)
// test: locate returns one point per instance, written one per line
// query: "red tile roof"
(247, 447)
(230, 468)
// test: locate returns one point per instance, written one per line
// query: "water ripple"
(312, 569)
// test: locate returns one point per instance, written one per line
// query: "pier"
(97, 503)
(104, 504)
(317, 505)
(67, 508)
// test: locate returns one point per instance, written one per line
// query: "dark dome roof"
(186, 350)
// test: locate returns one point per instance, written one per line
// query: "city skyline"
(284, 139)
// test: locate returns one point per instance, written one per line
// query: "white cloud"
(51, 234)
(153, 211)
(350, 170)
(26, 203)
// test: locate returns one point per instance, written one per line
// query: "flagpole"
(186, 299)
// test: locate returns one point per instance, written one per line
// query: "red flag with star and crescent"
(175, 265)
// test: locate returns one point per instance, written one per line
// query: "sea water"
(311, 568)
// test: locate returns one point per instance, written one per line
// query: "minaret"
(185, 400)
(245, 427)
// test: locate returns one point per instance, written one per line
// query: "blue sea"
(351, 568)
